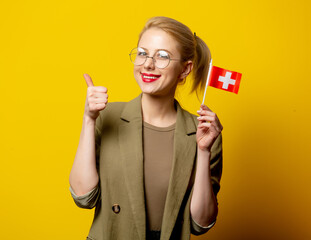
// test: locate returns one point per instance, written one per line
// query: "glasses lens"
(162, 59)
(138, 56)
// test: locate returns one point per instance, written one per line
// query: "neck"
(158, 111)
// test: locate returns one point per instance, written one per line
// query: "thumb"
(88, 80)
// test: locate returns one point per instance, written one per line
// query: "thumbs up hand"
(96, 99)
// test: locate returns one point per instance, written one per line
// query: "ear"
(186, 69)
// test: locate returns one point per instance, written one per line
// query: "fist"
(96, 98)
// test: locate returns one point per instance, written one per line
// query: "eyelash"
(163, 56)
(142, 53)
(158, 55)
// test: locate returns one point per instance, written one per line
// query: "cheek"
(175, 72)
(136, 70)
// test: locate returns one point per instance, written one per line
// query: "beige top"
(158, 157)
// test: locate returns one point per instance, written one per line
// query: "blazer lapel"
(183, 163)
(131, 149)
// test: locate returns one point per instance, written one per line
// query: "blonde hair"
(191, 47)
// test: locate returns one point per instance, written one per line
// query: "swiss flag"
(225, 79)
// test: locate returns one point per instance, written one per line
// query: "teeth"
(150, 77)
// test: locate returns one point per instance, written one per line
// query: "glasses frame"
(154, 61)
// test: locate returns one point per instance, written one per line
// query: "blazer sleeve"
(90, 199)
(197, 229)
(87, 200)
(216, 164)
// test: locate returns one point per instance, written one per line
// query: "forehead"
(155, 38)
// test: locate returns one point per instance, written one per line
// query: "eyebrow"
(158, 50)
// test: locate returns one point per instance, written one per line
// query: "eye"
(162, 54)
(141, 52)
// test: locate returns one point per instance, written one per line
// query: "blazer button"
(116, 208)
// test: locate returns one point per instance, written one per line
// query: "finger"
(92, 94)
(206, 118)
(211, 127)
(98, 89)
(100, 106)
(94, 107)
(206, 113)
(101, 89)
(88, 80)
(97, 94)
(204, 125)
(100, 100)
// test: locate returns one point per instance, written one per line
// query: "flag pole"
(207, 80)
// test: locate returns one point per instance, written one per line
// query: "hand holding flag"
(209, 128)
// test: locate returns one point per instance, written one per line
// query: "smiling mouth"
(149, 77)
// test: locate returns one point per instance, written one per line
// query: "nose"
(149, 64)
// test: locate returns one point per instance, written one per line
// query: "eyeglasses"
(161, 59)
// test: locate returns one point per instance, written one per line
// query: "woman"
(151, 168)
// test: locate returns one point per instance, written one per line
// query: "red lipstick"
(148, 77)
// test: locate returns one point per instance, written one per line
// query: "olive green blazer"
(119, 197)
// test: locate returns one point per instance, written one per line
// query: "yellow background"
(46, 46)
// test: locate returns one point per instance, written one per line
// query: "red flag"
(225, 79)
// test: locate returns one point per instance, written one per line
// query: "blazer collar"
(131, 148)
(132, 112)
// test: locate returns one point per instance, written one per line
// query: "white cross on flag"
(225, 79)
